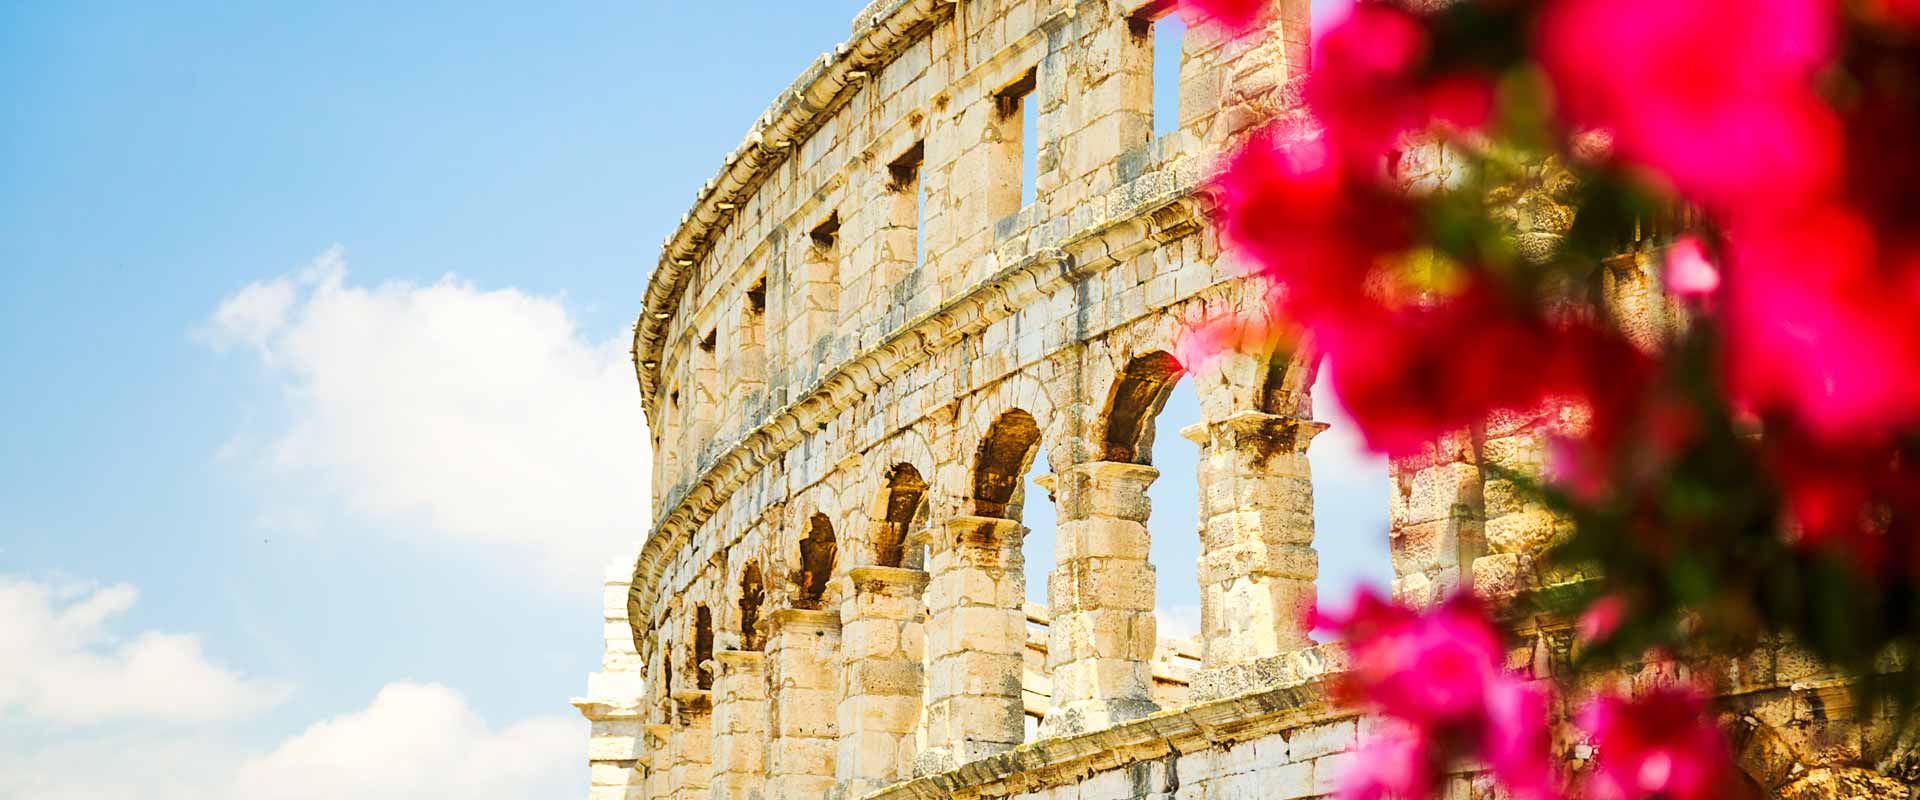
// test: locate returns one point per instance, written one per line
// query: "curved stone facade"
(851, 350)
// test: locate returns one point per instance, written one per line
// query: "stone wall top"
(880, 31)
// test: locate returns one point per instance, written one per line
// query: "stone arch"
(901, 503)
(1140, 391)
(753, 592)
(819, 549)
(1001, 463)
(702, 655)
(1286, 382)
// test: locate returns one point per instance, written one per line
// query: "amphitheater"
(853, 346)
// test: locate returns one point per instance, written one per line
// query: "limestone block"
(1423, 546)
(1313, 741)
(1438, 492)
(1530, 532)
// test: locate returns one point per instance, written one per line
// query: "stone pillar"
(690, 746)
(1436, 519)
(976, 640)
(803, 661)
(883, 643)
(614, 705)
(1101, 638)
(1257, 563)
(1518, 528)
(740, 723)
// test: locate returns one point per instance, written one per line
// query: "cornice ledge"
(1059, 761)
(881, 31)
(1081, 254)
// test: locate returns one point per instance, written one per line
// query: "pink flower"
(1236, 16)
(1427, 668)
(1602, 618)
(1370, 85)
(1662, 744)
(1399, 765)
(1454, 354)
(1515, 740)
(1309, 224)
(1689, 274)
(1439, 675)
(1716, 96)
(1819, 327)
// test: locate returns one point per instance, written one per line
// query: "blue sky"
(319, 433)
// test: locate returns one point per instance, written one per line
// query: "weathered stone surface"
(862, 335)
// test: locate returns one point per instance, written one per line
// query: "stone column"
(1101, 638)
(976, 640)
(883, 643)
(803, 661)
(1257, 563)
(690, 746)
(614, 705)
(740, 723)
(1437, 518)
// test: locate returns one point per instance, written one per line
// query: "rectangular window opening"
(757, 297)
(910, 207)
(1169, 34)
(1020, 128)
(827, 233)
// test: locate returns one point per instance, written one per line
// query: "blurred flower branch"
(1737, 460)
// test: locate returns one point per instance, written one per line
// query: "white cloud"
(483, 415)
(1177, 622)
(416, 741)
(60, 663)
(1338, 455)
(252, 315)
(174, 725)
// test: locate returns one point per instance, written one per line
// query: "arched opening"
(905, 496)
(1138, 396)
(1352, 495)
(1173, 533)
(817, 553)
(1001, 464)
(702, 647)
(753, 591)
(1009, 461)
(1034, 507)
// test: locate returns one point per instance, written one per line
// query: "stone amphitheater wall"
(854, 344)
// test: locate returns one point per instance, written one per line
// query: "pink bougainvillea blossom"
(1454, 352)
(1602, 618)
(1427, 668)
(1689, 273)
(1438, 675)
(1716, 96)
(1820, 327)
(1370, 87)
(1662, 744)
(1398, 764)
(1310, 225)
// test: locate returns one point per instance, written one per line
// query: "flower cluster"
(1439, 677)
(1749, 465)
